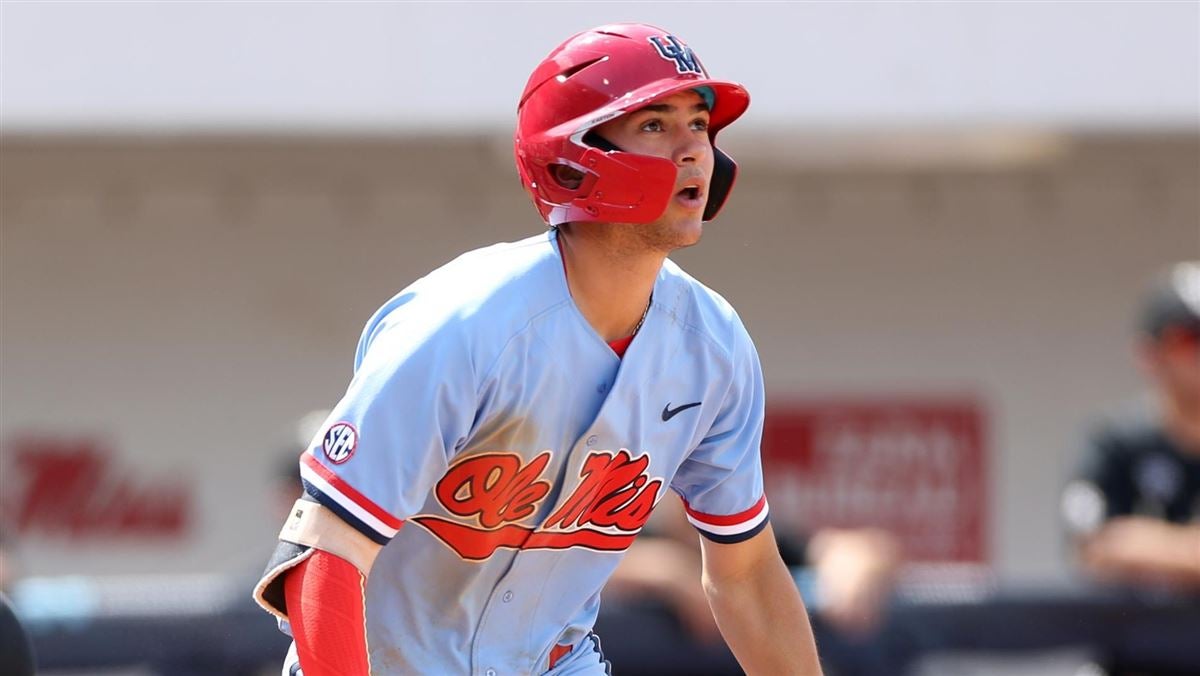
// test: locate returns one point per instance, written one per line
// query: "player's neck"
(610, 280)
(1182, 423)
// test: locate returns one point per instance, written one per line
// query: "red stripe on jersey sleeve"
(730, 520)
(348, 491)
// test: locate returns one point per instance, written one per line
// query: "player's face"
(1174, 361)
(675, 128)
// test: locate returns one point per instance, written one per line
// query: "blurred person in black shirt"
(16, 650)
(1134, 505)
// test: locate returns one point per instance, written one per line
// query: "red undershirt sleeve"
(327, 614)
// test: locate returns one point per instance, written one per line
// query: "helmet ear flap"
(719, 187)
(723, 176)
(566, 176)
(571, 178)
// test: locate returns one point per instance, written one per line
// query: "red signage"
(914, 467)
(75, 489)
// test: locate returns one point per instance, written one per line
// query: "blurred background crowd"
(966, 239)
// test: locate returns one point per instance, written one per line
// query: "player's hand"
(855, 574)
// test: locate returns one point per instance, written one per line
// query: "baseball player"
(516, 414)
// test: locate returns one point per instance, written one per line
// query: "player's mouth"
(691, 197)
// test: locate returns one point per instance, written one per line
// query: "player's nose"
(691, 148)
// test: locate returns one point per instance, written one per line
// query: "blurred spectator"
(854, 572)
(16, 652)
(1134, 505)
(285, 485)
(663, 564)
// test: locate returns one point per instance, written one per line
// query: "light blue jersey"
(506, 457)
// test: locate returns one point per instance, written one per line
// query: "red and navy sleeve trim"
(342, 499)
(314, 494)
(729, 529)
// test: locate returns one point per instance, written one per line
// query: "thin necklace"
(644, 313)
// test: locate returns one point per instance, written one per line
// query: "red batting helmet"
(596, 76)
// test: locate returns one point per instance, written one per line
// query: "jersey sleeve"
(410, 403)
(1100, 488)
(721, 480)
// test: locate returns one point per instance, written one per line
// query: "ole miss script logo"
(492, 492)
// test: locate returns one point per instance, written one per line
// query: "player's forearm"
(326, 611)
(1179, 559)
(1188, 553)
(325, 592)
(1145, 568)
(763, 620)
(1135, 550)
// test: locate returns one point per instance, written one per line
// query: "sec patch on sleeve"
(341, 439)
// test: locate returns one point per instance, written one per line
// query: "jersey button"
(508, 596)
(490, 672)
(591, 441)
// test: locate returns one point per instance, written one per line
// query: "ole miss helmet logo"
(672, 49)
(491, 492)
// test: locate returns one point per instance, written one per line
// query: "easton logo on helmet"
(671, 49)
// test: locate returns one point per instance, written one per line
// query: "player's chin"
(676, 229)
(688, 228)
(690, 232)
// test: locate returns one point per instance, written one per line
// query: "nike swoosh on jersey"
(669, 412)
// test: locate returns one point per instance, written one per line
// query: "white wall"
(420, 66)
(188, 299)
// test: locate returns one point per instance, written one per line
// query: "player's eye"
(700, 124)
(652, 125)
